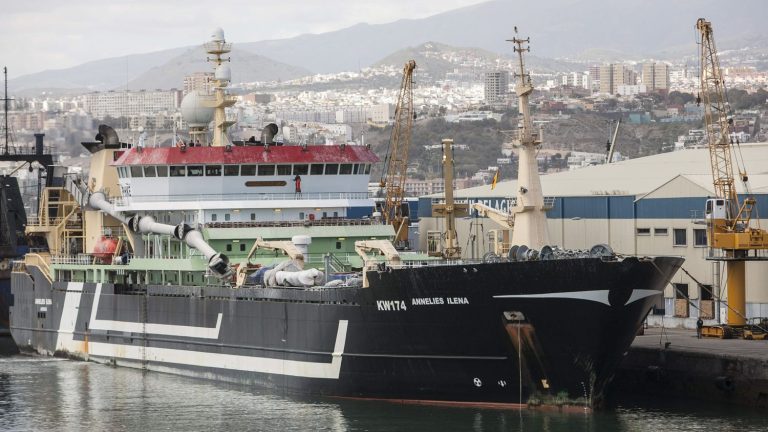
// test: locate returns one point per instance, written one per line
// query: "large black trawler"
(142, 275)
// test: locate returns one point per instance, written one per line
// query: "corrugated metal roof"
(247, 155)
(636, 176)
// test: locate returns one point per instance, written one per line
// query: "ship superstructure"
(260, 263)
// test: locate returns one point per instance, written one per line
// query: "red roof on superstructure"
(247, 155)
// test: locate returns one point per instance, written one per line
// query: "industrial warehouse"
(647, 206)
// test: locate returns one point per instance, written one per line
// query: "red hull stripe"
(247, 155)
(482, 405)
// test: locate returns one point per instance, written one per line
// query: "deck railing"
(124, 201)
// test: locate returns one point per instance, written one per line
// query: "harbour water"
(41, 394)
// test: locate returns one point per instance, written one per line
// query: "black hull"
(462, 333)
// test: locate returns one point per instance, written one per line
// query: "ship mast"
(530, 213)
(217, 47)
(6, 100)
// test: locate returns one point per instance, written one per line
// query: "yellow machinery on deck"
(730, 236)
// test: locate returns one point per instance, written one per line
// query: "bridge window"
(356, 169)
(150, 171)
(226, 217)
(316, 169)
(195, 171)
(345, 169)
(331, 169)
(213, 170)
(242, 247)
(162, 171)
(231, 170)
(214, 217)
(300, 169)
(367, 169)
(266, 170)
(178, 171)
(248, 170)
(283, 170)
(137, 171)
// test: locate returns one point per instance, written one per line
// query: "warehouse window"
(643, 231)
(660, 231)
(681, 300)
(681, 291)
(705, 292)
(699, 237)
(680, 237)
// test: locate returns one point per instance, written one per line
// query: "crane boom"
(397, 159)
(716, 120)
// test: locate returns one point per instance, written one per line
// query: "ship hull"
(490, 333)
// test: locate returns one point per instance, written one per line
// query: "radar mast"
(530, 212)
(217, 47)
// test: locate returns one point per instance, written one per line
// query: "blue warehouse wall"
(613, 207)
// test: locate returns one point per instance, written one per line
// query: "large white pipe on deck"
(99, 201)
(217, 262)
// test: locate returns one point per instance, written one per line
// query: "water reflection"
(52, 394)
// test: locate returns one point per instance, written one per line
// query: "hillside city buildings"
(339, 107)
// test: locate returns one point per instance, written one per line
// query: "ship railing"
(299, 223)
(40, 262)
(44, 222)
(125, 201)
(113, 232)
(79, 259)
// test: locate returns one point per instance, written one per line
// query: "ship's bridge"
(216, 173)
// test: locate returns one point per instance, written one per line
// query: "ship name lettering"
(426, 301)
(390, 305)
(457, 300)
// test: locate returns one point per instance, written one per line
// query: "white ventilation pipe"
(99, 201)
(218, 263)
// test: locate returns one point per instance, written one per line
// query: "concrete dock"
(674, 362)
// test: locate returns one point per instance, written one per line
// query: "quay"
(675, 363)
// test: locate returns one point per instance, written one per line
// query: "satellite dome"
(217, 35)
(223, 73)
(194, 112)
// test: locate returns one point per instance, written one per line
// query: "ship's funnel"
(268, 133)
(107, 135)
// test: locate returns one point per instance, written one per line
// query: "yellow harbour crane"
(396, 161)
(730, 234)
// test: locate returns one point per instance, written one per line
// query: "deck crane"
(611, 147)
(730, 236)
(396, 161)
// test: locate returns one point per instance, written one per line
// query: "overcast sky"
(36, 35)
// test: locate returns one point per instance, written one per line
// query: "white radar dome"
(223, 73)
(194, 112)
(217, 35)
